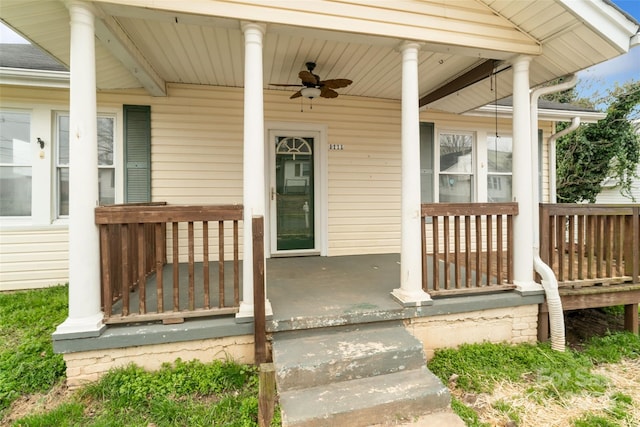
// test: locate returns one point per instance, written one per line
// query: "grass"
(27, 361)
(225, 393)
(478, 368)
(183, 393)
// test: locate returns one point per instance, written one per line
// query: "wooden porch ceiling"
(144, 43)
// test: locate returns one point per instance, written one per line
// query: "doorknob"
(273, 193)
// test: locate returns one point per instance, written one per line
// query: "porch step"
(337, 354)
(357, 376)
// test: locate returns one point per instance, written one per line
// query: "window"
(499, 161)
(426, 162)
(106, 166)
(455, 181)
(460, 171)
(15, 163)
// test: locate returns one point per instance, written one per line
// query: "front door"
(292, 193)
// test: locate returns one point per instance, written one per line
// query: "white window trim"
(43, 192)
(25, 219)
(479, 159)
(117, 115)
(474, 161)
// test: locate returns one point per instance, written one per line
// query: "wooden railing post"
(259, 320)
(632, 245)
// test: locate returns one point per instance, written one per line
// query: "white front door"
(293, 192)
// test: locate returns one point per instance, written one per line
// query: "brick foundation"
(88, 366)
(513, 324)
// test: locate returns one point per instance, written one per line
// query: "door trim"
(320, 185)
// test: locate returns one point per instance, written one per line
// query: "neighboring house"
(611, 192)
(175, 102)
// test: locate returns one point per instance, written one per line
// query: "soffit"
(209, 50)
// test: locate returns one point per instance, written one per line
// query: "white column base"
(83, 327)
(413, 298)
(245, 313)
(525, 287)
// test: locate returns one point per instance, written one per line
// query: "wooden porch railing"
(588, 244)
(467, 247)
(134, 245)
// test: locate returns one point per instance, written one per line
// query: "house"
(183, 112)
(611, 193)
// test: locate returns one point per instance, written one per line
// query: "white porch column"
(85, 316)
(253, 157)
(410, 291)
(522, 177)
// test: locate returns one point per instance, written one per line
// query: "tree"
(608, 149)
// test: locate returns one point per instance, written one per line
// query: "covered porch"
(161, 253)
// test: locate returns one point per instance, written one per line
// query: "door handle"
(273, 193)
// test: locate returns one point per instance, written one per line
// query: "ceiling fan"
(312, 86)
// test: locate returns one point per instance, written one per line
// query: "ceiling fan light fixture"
(310, 92)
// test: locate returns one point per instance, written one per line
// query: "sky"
(599, 77)
(618, 70)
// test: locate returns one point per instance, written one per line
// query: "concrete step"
(436, 419)
(381, 399)
(321, 356)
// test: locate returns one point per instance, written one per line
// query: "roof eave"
(606, 20)
(39, 78)
(543, 114)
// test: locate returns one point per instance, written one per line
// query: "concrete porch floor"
(325, 291)
(314, 291)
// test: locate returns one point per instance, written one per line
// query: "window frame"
(58, 166)
(491, 174)
(30, 164)
(437, 167)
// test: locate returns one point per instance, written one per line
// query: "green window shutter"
(137, 153)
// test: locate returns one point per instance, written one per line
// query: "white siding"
(33, 257)
(612, 195)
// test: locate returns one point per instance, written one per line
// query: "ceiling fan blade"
(336, 83)
(307, 78)
(283, 85)
(325, 92)
(298, 94)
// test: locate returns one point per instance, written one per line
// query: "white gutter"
(549, 282)
(28, 77)
(575, 122)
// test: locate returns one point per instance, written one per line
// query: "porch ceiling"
(142, 46)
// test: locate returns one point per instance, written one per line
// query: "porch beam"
(410, 292)
(116, 41)
(85, 316)
(472, 76)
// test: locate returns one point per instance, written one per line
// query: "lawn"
(492, 384)
(183, 393)
(27, 362)
(532, 385)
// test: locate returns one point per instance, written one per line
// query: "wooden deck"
(594, 251)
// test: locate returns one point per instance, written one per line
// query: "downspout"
(575, 122)
(549, 282)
